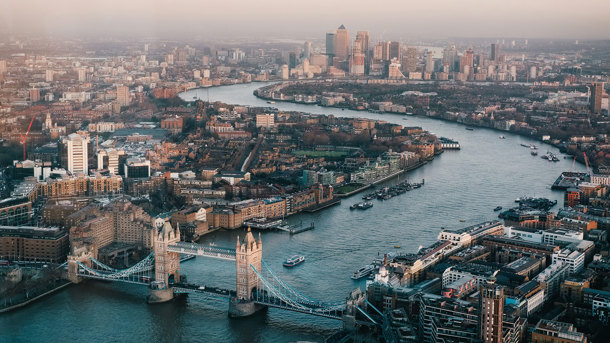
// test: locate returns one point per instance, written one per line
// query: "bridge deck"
(200, 250)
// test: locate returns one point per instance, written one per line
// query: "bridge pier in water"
(167, 265)
(248, 255)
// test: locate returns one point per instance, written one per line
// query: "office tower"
(330, 45)
(363, 38)
(122, 95)
(74, 153)
(394, 50)
(2, 67)
(495, 52)
(595, 101)
(181, 56)
(356, 66)
(491, 302)
(145, 47)
(450, 57)
(378, 51)
(429, 62)
(292, 60)
(307, 49)
(34, 95)
(410, 61)
(342, 43)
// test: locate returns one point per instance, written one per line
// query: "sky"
(306, 19)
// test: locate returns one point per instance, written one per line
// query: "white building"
(600, 179)
(467, 235)
(574, 259)
(75, 153)
(552, 277)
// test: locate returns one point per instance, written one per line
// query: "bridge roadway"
(200, 250)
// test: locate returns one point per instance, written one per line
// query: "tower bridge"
(257, 286)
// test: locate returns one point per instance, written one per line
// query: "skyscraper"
(342, 43)
(429, 62)
(363, 37)
(356, 66)
(307, 49)
(595, 101)
(2, 67)
(495, 52)
(122, 95)
(75, 154)
(330, 45)
(394, 50)
(491, 302)
(409, 63)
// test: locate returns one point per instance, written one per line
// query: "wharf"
(334, 201)
(568, 180)
(293, 230)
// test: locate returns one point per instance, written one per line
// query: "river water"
(465, 184)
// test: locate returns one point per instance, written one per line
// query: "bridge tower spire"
(167, 264)
(248, 254)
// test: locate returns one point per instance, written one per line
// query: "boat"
(397, 247)
(501, 137)
(271, 102)
(534, 152)
(362, 272)
(462, 220)
(365, 205)
(469, 129)
(294, 260)
(354, 206)
(497, 208)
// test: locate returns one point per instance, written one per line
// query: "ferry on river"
(294, 260)
(364, 271)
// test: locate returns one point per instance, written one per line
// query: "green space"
(320, 153)
(350, 187)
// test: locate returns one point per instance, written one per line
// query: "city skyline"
(439, 19)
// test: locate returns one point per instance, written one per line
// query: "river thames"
(460, 185)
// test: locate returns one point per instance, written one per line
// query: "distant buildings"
(122, 95)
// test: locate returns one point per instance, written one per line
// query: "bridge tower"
(248, 252)
(79, 255)
(167, 264)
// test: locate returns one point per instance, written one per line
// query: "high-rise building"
(491, 302)
(82, 74)
(409, 63)
(495, 52)
(364, 39)
(356, 66)
(597, 93)
(307, 49)
(3, 68)
(75, 154)
(394, 50)
(330, 45)
(342, 43)
(429, 62)
(34, 95)
(122, 95)
(292, 60)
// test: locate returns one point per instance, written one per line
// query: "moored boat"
(362, 272)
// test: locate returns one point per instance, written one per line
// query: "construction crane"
(23, 138)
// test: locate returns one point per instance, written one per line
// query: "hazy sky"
(300, 19)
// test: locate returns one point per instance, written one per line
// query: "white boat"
(294, 260)
(362, 272)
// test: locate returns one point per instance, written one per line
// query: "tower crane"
(24, 138)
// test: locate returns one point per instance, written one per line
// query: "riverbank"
(558, 144)
(31, 300)
(386, 178)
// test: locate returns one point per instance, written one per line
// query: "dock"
(334, 201)
(293, 229)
